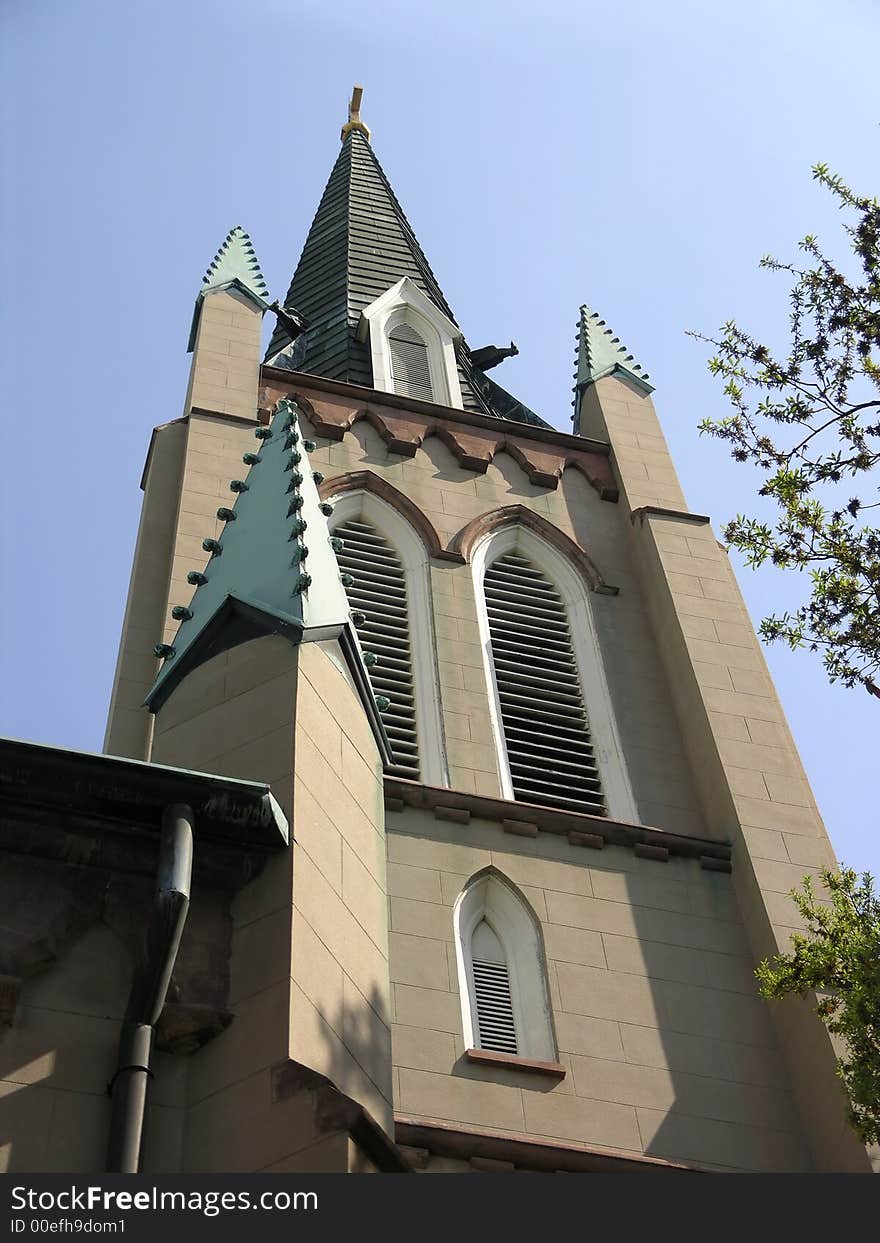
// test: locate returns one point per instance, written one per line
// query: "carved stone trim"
(549, 819)
(368, 481)
(519, 515)
(473, 440)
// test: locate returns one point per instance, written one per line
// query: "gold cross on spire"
(354, 115)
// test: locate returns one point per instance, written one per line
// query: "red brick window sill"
(484, 1058)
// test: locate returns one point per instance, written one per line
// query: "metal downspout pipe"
(149, 986)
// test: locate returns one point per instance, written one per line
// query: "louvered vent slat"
(494, 1006)
(410, 368)
(379, 592)
(542, 708)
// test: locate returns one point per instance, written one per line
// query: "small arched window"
(501, 970)
(410, 363)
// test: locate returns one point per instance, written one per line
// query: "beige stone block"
(446, 856)
(451, 886)
(456, 725)
(584, 1121)
(575, 945)
(782, 817)
(746, 782)
(575, 1033)
(765, 844)
(318, 837)
(421, 919)
(698, 605)
(362, 780)
(682, 1138)
(781, 877)
(461, 1100)
(260, 955)
(758, 706)
(256, 1038)
(675, 1051)
(463, 780)
(789, 789)
(665, 962)
(641, 890)
(421, 884)
(752, 682)
(367, 1035)
(419, 1049)
(812, 852)
(334, 924)
(427, 1007)
(354, 825)
(523, 868)
(770, 760)
(316, 1044)
(623, 1082)
(419, 961)
(726, 726)
(603, 994)
(77, 1134)
(713, 1013)
(736, 974)
(592, 913)
(471, 755)
(365, 898)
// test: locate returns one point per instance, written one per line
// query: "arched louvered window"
(494, 1006)
(410, 363)
(379, 592)
(501, 971)
(544, 720)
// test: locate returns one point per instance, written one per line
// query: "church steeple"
(360, 245)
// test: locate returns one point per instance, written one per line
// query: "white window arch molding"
(489, 897)
(351, 506)
(405, 303)
(604, 734)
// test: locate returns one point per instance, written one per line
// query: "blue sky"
(639, 157)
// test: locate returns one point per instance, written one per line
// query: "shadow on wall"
(356, 1050)
(59, 1056)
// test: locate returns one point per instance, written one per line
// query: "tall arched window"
(388, 568)
(502, 972)
(554, 724)
(410, 364)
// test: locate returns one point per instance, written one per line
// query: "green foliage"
(811, 423)
(838, 956)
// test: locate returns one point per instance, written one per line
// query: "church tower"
(545, 808)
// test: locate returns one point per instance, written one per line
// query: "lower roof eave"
(526, 1152)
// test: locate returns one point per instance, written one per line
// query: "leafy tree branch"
(838, 956)
(810, 421)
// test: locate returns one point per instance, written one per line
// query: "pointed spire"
(601, 353)
(235, 265)
(273, 570)
(360, 244)
(354, 116)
